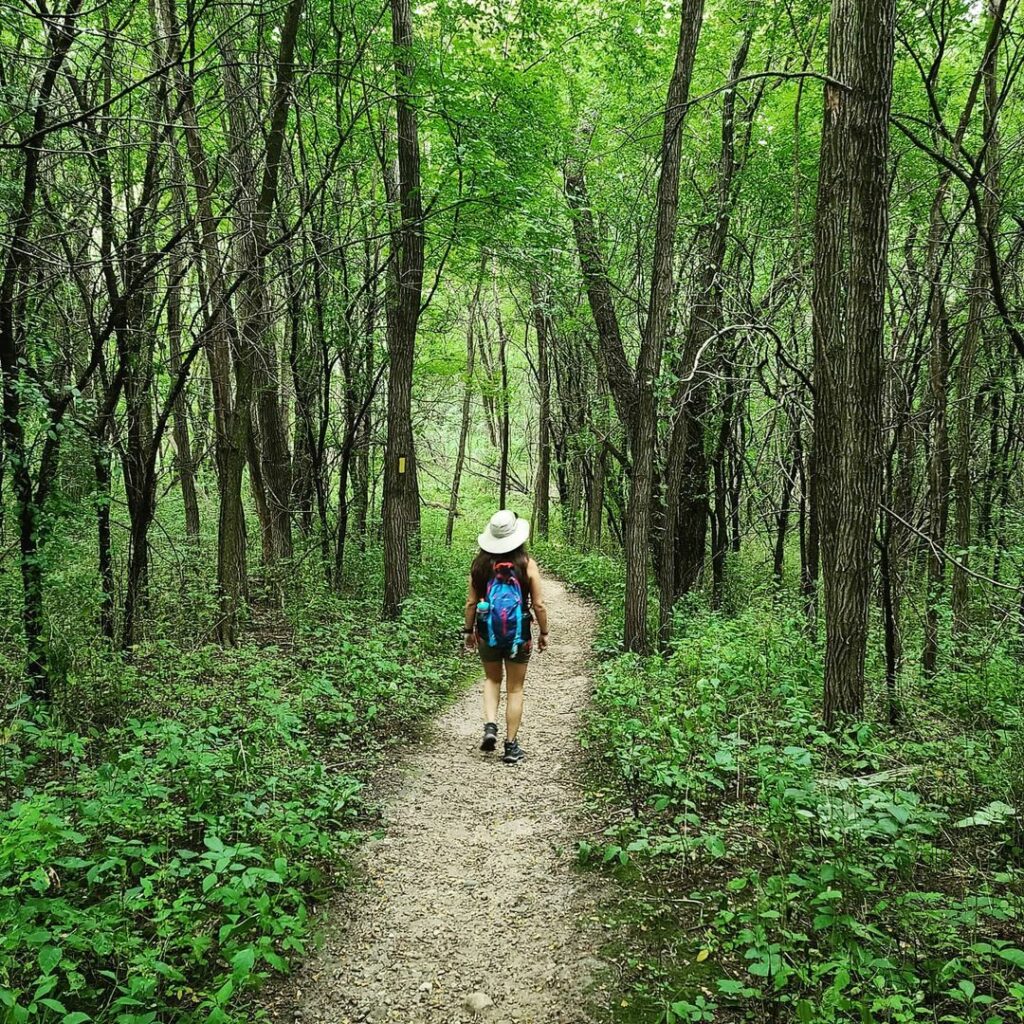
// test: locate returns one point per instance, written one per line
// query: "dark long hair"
(483, 569)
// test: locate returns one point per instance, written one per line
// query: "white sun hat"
(505, 532)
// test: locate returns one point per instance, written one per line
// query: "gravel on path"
(468, 907)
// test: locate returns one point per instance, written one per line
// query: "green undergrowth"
(164, 831)
(774, 872)
(596, 576)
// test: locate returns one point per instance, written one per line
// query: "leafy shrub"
(158, 860)
(773, 871)
(596, 576)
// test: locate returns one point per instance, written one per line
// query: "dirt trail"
(470, 897)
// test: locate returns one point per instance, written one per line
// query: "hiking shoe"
(490, 740)
(513, 752)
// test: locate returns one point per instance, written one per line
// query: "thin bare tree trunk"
(782, 522)
(938, 450)
(542, 483)
(980, 299)
(504, 423)
(467, 400)
(487, 361)
(179, 423)
(101, 464)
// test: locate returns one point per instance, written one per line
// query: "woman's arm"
(537, 603)
(469, 627)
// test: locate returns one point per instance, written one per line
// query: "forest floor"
(467, 905)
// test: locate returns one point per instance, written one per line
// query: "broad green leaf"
(49, 957)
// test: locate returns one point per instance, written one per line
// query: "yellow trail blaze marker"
(401, 464)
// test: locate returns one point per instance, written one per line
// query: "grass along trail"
(468, 906)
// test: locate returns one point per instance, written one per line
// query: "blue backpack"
(502, 613)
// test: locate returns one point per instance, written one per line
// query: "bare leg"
(515, 676)
(492, 690)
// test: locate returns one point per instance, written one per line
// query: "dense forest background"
(725, 296)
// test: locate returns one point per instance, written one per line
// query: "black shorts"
(490, 655)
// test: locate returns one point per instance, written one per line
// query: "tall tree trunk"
(135, 368)
(782, 522)
(504, 425)
(61, 34)
(900, 538)
(305, 359)
(808, 502)
(258, 349)
(938, 449)
(342, 531)
(685, 520)
(720, 522)
(179, 423)
(467, 401)
(566, 362)
(719, 533)
(890, 623)
(803, 504)
(542, 482)
(136, 354)
(362, 463)
(231, 408)
(851, 247)
(595, 512)
(986, 517)
(939, 241)
(619, 375)
(487, 361)
(101, 464)
(736, 450)
(980, 299)
(354, 422)
(146, 424)
(964, 445)
(645, 432)
(140, 491)
(811, 569)
(258, 487)
(358, 403)
(401, 494)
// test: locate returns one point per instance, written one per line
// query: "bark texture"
(401, 494)
(851, 246)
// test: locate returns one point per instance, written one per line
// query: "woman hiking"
(503, 600)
